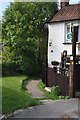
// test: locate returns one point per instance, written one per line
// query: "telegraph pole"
(73, 63)
(74, 56)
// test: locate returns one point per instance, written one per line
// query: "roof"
(67, 13)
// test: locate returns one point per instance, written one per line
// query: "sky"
(5, 3)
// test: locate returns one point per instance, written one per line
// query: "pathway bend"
(34, 90)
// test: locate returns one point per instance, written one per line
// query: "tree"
(24, 35)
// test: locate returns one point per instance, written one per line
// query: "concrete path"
(51, 109)
(34, 90)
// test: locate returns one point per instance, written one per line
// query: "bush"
(54, 94)
(41, 85)
(10, 69)
(56, 90)
(24, 83)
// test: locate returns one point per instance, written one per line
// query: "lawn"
(13, 97)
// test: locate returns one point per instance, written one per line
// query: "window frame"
(68, 30)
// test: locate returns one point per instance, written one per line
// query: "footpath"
(33, 89)
(50, 108)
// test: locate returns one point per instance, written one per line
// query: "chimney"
(64, 3)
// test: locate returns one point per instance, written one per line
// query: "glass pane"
(68, 28)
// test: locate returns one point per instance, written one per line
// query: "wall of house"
(56, 39)
(56, 36)
(78, 46)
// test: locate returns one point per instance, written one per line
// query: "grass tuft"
(41, 86)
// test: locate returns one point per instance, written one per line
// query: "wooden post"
(71, 79)
(72, 64)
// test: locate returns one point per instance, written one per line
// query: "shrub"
(56, 90)
(41, 85)
(24, 83)
(10, 69)
(54, 94)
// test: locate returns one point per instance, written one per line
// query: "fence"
(77, 77)
(58, 78)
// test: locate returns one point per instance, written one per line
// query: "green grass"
(54, 94)
(41, 86)
(13, 97)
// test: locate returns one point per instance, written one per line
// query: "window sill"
(66, 43)
(78, 42)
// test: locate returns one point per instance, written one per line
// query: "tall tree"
(24, 35)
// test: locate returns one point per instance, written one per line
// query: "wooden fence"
(77, 77)
(58, 77)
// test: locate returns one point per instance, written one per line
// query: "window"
(69, 29)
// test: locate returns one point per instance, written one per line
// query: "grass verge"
(54, 94)
(13, 97)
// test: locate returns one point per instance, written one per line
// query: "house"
(60, 29)
(60, 32)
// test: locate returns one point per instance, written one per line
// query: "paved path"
(51, 109)
(34, 90)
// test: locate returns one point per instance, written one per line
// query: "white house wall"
(79, 32)
(57, 37)
(78, 46)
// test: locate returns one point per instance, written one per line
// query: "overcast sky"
(5, 3)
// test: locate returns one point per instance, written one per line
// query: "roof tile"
(70, 12)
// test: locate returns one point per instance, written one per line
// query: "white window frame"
(70, 32)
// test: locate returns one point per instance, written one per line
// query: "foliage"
(13, 97)
(9, 69)
(41, 85)
(54, 94)
(24, 35)
(0, 31)
(24, 84)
